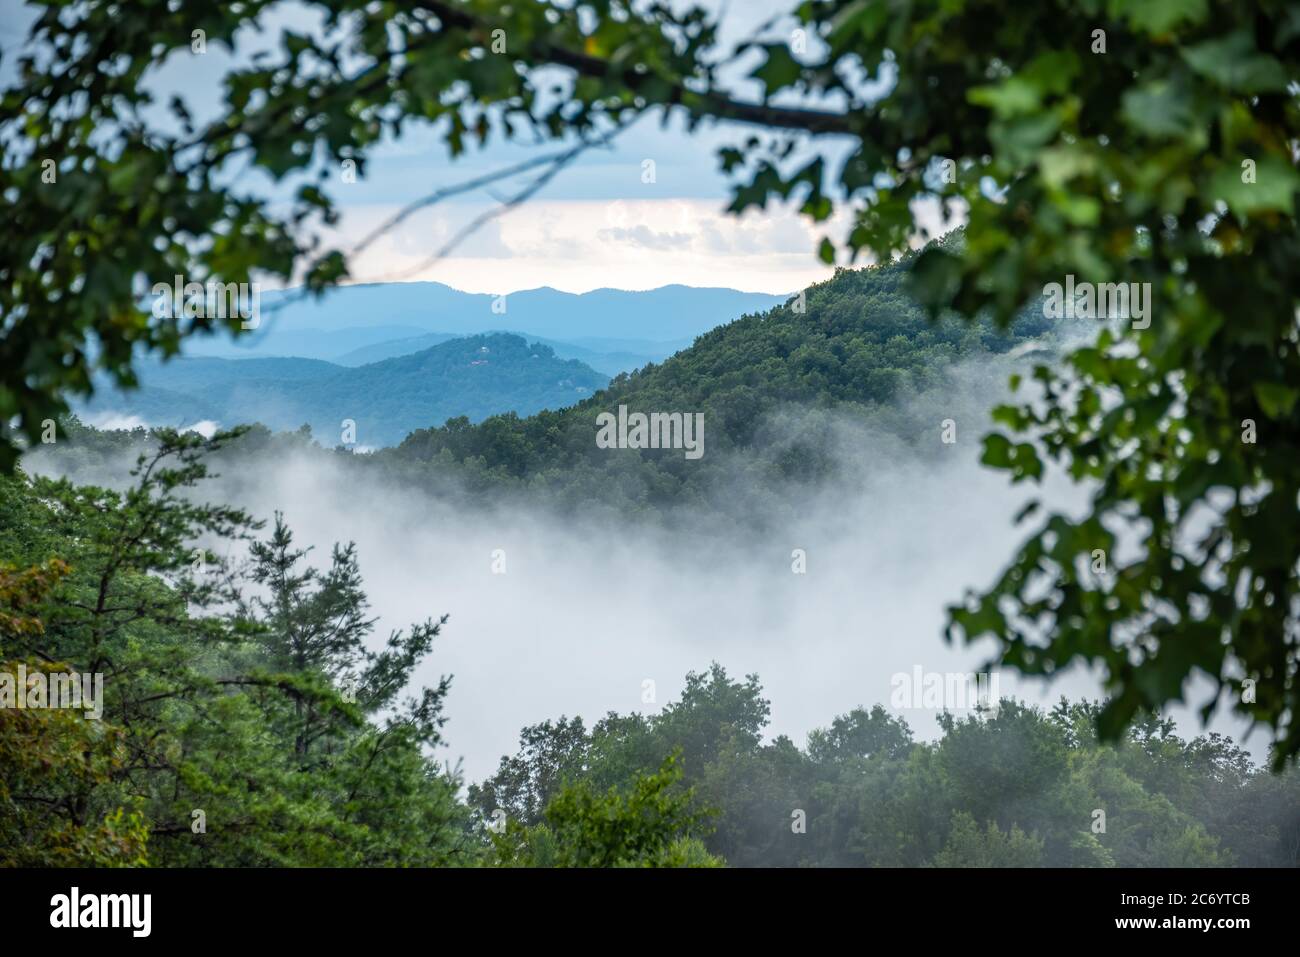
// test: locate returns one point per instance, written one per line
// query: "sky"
(598, 224)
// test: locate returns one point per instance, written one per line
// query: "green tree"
(550, 755)
(314, 623)
(969, 846)
(52, 756)
(862, 734)
(216, 742)
(651, 824)
(1009, 787)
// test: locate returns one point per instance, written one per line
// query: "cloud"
(646, 238)
(114, 421)
(580, 245)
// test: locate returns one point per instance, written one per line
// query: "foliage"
(1118, 141)
(855, 346)
(968, 846)
(230, 732)
(651, 825)
(47, 754)
(1014, 787)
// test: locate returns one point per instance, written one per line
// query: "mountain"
(186, 391)
(392, 348)
(790, 399)
(353, 325)
(273, 340)
(666, 313)
(197, 375)
(474, 377)
(608, 356)
(861, 351)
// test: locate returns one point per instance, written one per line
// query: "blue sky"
(596, 225)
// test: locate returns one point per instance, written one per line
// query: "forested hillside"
(857, 349)
(787, 396)
(251, 716)
(904, 468)
(609, 357)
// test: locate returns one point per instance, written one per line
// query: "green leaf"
(1020, 141)
(1060, 164)
(1158, 17)
(1160, 108)
(1234, 63)
(1274, 187)
(935, 278)
(1014, 96)
(1275, 399)
(780, 69)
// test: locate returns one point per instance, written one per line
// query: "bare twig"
(557, 163)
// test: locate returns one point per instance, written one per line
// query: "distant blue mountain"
(667, 313)
(473, 376)
(608, 356)
(273, 340)
(405, 356)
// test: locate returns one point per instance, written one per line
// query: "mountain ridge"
(665, 313)
(470, 376)
(858, 347)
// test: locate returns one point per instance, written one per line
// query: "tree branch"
(717, 105)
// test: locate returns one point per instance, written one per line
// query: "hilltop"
(471, 377)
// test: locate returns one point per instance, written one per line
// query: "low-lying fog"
(584, 614)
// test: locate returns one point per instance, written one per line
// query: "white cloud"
(114, 421)
(579, 245)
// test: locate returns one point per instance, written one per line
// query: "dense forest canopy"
(857, 345)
